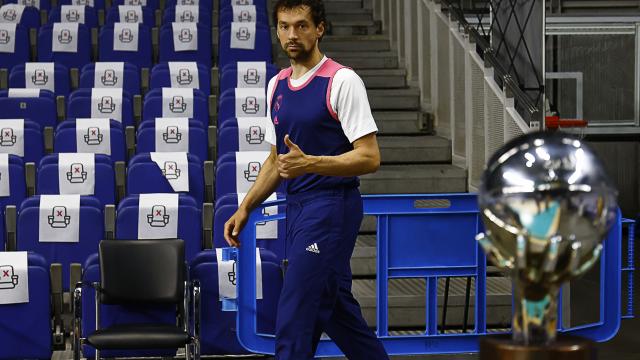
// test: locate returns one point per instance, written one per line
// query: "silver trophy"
(547, 204)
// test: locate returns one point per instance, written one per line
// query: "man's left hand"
(294, 163)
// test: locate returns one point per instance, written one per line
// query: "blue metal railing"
(428, 237)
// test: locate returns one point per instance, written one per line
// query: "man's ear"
(320, 29)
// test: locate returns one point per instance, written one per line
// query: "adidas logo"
(313, 248)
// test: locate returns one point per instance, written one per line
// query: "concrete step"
(355, 43)
(355, 14)
(363, 260)
(399, 122)
(338, 5)
(396, 99)
(415, 179)
(384, 78)
(407, 301)
(414, 149)
(354, 27)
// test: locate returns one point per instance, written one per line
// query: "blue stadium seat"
(17, 185)
(218, 336)
(21, 49)
(262, 51)
(91, 232)
(41, 110)
(226, 16)
(76, 59)
(130, 80)
(261, 5)
(227, 105)
(203, 4)
(33, 140)
(152, 107)
(40, 5)
(105, 184)
(229, 76)
(161, 77)
(189, 222)
(149, 4)
(203, 15)
(203, 53)
(145, 176)
(27, 327)
(113, 16)
(66, 139)
(79, 106)
(198, 138)
(226, 170)
(142, 58)
(57, 14)
(30, 17)
(96, 4)
(39, 78)
(246, 139)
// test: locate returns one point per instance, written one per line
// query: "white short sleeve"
(349, 100)
(270, 136)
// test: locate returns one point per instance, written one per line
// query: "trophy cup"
(547, 204)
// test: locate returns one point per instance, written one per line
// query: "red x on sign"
(93, 132)
(59, 212)
(158, 213)
(5, 273)
(255, 132)
(76, 169)
(178, 101)
(254, 168)
(7, 133)
(172, 131)
(170, 167)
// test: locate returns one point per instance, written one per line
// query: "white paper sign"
(184, 74)
(251, 134)
(14, 277)
(7, 37)
(5, 186)
(177, 102)
(244, 13)
(72, 13)
(23, 93)
(265, 229)
(89, 3)
(59, 218)
(185, 36)
(250, 102)
(130, 14)
(158, 216)
(106, 103)
(243, 35)
(242, 2)
(76, 173)
(108, 75)
(125, 36)
(64, 37)
(31, 3)
(252, 74)
(172, 135)
(135, 2)
(174, 167)
(187, 13)
(12, 136)
(11, 13)
(248, 166)
(227, 276)
(93, 135)
(40, 75)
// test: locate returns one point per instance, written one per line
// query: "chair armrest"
(196, 309)
(76, 306)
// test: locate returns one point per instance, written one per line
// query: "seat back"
(38, 76)
(180, 74)
(67, 138)
(242, 102)
(244, 14)
(27, 16)
(173, 138)
(33, 141)
(177, 105)
(250, 77)
(187, 13)
(147, 4)
(75, 13)
(133, 49)
(130, 14)
(39, 106)
(83, 105)
(17, 185)
(260, 52)
(96, 4)
(36, 4)
(142, 271)
(62, 34)
(14, 45)
(241, 165)
(108, 77)
(186, 35)
(250, 136)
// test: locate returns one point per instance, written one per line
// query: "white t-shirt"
(348, 100)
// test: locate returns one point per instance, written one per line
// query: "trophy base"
(565, 347)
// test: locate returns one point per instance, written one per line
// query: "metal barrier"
(430, 237)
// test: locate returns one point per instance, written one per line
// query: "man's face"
(297, 33)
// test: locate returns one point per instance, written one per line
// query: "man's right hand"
(234, 225)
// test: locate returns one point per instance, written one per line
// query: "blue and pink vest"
(305, 114)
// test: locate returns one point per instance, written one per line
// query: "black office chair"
(142, 272)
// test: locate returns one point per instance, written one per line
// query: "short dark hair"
(317, 9)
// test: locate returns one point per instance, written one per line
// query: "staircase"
(413, 161)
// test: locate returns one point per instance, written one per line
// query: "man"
(324, 136)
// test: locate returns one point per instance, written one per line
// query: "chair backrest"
(229, 169)
(187, 13)
(75, 13)
(17, 184)
(244, 14)
(133, 49)
(108, 76)
(104, 178)
(261, 51)
(189, 227)
(186, 34)
(148, 4)
(36, 4)
(261, 5)
(83, 105)
(46, 76)
(26, 327)
(33, 141)
(96, 4)
(173, 138)
(202, 4)
(27, 16)
(249, 78)
(177, 105)
(249, 137)
(90, 225)
(131, 14)
(14, 45)
(145, 177)
(180, 74)
(39, 106)
(67, 138)
(142, 271)
(63, 35)
(252, 103)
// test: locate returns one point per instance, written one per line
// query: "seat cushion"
(138, 336)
